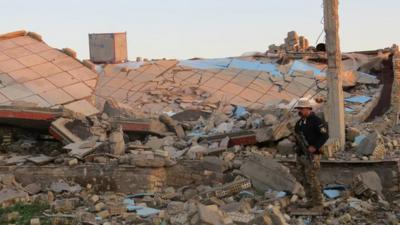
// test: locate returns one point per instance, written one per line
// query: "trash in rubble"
(169, 113)
(240, 112)
(133, 208)
(81, 149)
(246, 194)
(142, 211)
(359, 99)
(281, 194)
(359, 139)
(334, 191)
(360, 205)
(146, 212)
(271, 194)
(223, 128)
(128, 201)
(140, 195)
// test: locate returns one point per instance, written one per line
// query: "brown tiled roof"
(31, 71)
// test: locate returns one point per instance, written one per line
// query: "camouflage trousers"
(309, 170)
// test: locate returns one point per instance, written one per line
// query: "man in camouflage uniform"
(314, 132)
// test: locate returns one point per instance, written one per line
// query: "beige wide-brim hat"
(303, 103)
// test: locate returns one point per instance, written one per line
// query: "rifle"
(303, 144)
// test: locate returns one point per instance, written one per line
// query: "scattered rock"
(268, 174)
(210, 214)
(33, 188)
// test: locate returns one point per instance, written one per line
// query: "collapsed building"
(189, 141)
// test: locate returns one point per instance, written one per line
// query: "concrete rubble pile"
(235, 202)
(188, 142)
(293, 42)
(255, 187)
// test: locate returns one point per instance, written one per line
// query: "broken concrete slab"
(196, 152)
(241, 218)
(65, 205)
(33, 188)
(371, 146)
(172, 125)
(62, 186)
(244, 137)
(213, 163)
(267, 174)
(154, 143)
(59, 131)
(210, 214)
(80, 149)
(264, 134)
(15, 160)
(82, 107)
(285, 147)
(115, 109)
(25, 116)
(7, 180)
(40, 160)
(144, 126)
(367, 181)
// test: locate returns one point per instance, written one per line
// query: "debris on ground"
(220, 127)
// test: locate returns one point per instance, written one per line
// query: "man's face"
(304, 112)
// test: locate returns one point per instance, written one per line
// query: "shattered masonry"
(198, 141)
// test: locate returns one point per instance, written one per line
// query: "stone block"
(267, 174)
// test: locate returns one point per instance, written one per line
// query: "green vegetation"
(26, 211)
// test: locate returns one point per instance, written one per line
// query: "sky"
(182, 29)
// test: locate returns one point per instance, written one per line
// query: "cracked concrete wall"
(124, 179)
(335, 172)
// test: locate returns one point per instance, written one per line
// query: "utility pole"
(334, 75)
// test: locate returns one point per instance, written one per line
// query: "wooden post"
(334, 78)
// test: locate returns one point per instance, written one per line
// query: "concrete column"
(395, 98)
(334, 78)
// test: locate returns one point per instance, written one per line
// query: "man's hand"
(312, 149)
